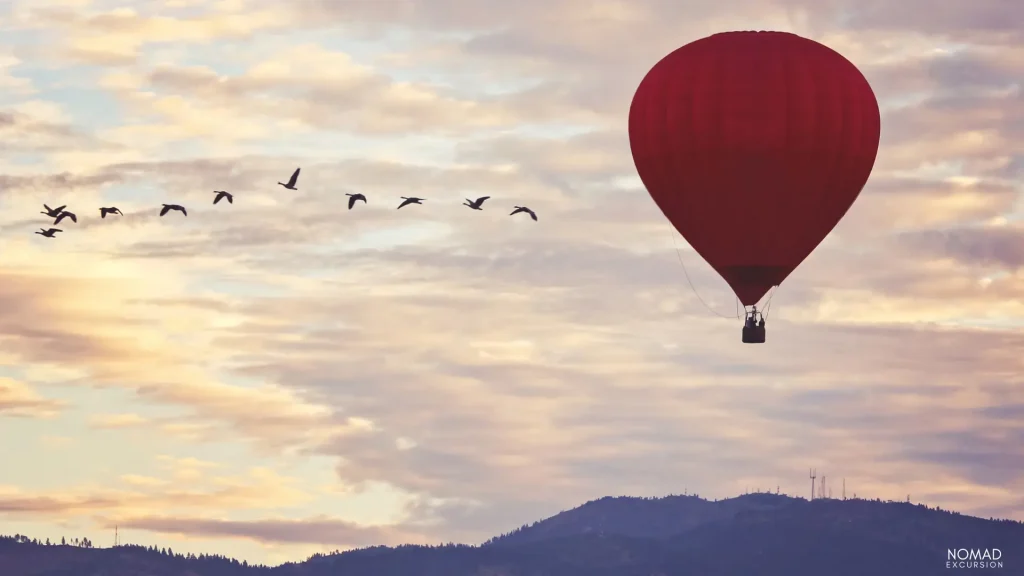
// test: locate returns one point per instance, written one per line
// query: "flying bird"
(475, 204)
(111, 210)
(64, 215)
(53, 212)
(291, 182)
(48, 233)
(524, 209)
(408, 201)
(222, 194)
(353, 197)
(169, 207)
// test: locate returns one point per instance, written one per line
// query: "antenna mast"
(813, 475)
(844, 488)
(117, 541)
(821, 492)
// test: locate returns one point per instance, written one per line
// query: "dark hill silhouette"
(641, 517)
(756, 534)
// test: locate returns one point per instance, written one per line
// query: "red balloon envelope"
(754, 145)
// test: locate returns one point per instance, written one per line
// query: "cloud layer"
(434, 373)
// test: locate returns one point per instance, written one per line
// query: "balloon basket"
(753, 334)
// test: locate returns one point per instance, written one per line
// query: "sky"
(281, 376)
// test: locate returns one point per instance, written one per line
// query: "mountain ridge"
(760, 533)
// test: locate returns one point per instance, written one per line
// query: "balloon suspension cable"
(694, 288)
(768, 303)
(767, 306)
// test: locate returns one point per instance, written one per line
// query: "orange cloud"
(18, 399)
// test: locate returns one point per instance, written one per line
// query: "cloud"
(467, 358)
(307, 87)
(56, 442)
(322, 530)
(29, 130)
(987, 21)
(18, 399)
(116, 37)
(999, 247)
(65, 182)
(47, 505)
(271, 413)
(138, 480)
(80, 322)
(115, 421)
(908, 205)
(188, 485)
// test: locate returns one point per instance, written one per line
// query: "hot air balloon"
(754, 145)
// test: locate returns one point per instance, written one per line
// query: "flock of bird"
(59, 214)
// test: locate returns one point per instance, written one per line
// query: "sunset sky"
(281, 376)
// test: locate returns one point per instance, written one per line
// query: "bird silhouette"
(519, 209)
(169, 207)
(291, 182)
(64, 215)
(53, 212)
(222, 194)
(475, 204)
(111, 210)
(48, 233)
(408, 201)
(353, 197)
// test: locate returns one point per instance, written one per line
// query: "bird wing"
(295, 177)
(217, 198)
(182, 208)
(72, 216)
(351, 202)
(532, 215)
(231, 199)
(59, 218)
(164, 211)
(117, 210)
(481, 199)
